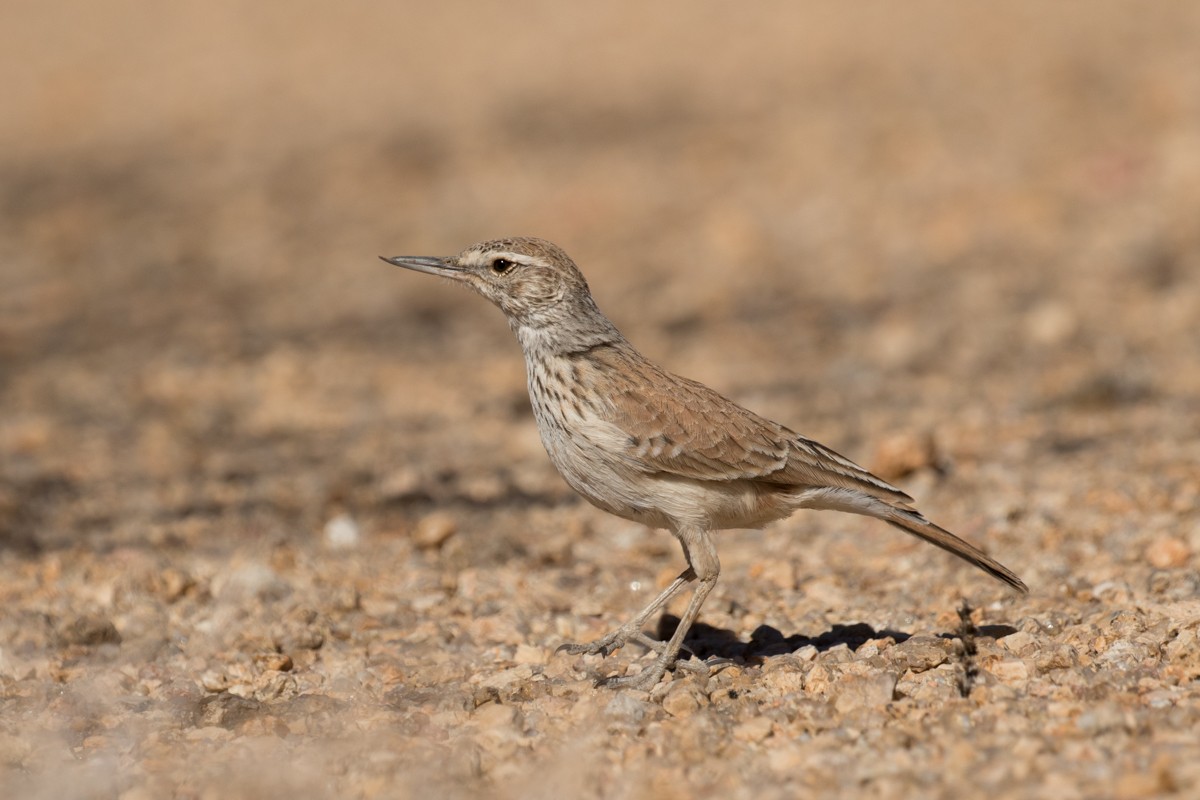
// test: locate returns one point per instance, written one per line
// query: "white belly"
(588, 457)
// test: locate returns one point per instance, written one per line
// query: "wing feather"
(681, 427)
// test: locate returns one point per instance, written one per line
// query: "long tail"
(916, 524)
(912, 521)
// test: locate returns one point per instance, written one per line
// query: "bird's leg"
(701, 553)
(632, 629)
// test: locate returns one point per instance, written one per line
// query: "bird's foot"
(649, 677)
(613, 642)
(604, 646)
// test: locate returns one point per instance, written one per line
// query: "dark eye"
(502, 266)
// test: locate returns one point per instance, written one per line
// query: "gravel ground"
(274, 517)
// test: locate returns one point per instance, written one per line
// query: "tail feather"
(909, 520)
(914, 523)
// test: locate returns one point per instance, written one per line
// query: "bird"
(646, 445)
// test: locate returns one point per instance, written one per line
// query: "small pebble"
(342, 533)
(90, 629)
(901, 454)
(869, 691)
(280, 662)
(507, 680)
(527, 654)
(753, 730)
(1011, 672)
(493, 715)
(920, 653)
(628, 708)
(254, 580)
(783, 675)
(1050, 323)
(682, 700)
(433, 530)
(1020, 643)
(1168, 552)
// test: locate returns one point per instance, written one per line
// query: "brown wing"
(684, 428)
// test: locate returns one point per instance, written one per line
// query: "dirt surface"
(274, 517)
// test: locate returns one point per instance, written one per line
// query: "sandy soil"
(274, 518)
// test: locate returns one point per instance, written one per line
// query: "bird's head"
(532, 280)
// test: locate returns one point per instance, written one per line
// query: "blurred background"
(922, 212)
(957, 242)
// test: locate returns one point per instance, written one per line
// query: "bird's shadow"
(707, 641)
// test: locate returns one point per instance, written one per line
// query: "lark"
(650, 446)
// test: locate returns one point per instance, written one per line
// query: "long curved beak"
(430, 264)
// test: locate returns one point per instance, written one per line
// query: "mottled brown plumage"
(650, 446)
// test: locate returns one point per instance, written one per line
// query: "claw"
(607, 645)
(602, 648)
(645, 680)
(696, 667)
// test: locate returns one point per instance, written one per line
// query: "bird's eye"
(502, 266)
